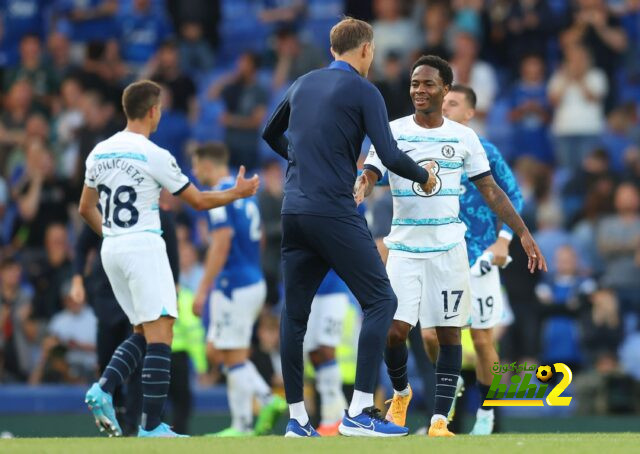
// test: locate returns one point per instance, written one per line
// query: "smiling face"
(427, 89)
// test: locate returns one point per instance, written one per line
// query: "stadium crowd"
(558, 87)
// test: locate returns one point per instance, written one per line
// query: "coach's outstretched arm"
(207, 200)
(376, 124)
(501, 205)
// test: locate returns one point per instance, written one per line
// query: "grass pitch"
(508, 443)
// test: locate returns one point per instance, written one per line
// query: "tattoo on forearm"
(500, 204)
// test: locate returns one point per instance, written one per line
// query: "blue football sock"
(396, 360)
(156, 376)
(484, 390)
(447, 374)
(124, 361)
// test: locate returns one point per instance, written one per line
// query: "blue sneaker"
(370, 423)
(101, 405)
(162, 431)
(295, 430)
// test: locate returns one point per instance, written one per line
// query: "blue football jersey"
(243, 263)
(481, 222)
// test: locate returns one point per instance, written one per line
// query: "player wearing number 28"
(428, 265)
(124, 177)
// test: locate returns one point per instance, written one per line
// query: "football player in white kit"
(428, 264)
(124, 175)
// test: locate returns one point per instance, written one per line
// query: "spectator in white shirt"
(577, 91)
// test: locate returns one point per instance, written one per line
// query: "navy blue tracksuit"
(326, 114)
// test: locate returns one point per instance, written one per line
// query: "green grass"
(511, 443)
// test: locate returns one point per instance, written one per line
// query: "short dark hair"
(349, 34)
(213, 151)
(445, 71)
(468, 93)
(139, 97)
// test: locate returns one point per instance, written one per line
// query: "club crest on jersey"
(416, 186)
(448, 151)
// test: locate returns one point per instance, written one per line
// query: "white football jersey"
(129, 171)
(425, 225)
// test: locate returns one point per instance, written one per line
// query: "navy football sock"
(124, 361)
(156, 376)
(484, 390)
(447, 375)
(396, 360)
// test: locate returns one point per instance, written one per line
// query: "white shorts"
(325, 321)
(486, 300)
(434, 291)
(139, 273)
(231, 320)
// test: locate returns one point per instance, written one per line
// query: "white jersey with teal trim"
(426, 225)
(129, 171)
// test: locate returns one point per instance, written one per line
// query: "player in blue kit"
(233, 264)
(488, 249)
(324, 332)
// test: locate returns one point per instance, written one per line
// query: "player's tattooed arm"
(364, 185)
(501, 205)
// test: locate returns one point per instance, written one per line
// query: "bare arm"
(207, 200)
(252, 121)
(501, 205)
(29, 202)
(88, 209)
(216, 258)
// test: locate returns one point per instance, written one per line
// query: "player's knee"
(430, 338)
(398, 333)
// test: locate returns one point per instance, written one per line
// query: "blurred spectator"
(33, 68)
(601, 328)
(294, 58)
(165, 69)
(245, 104)
(18, 19)
(595, 168)
(48, 274)
(618, 240)
(99, 124)
(282, 12)
(173, 129)
(16, 334)
(561, 300)
(195, 53)
(477, 74)
(67, 122)
(4, 199)
(72, 331)
(394, 87)
(59, 57)
(550, 233)
(467, 17)
(393, 33)
(601, 33)
(436, 25)
(577, 91)
(530, 24)
(142, 30)
(270, 203)
(616, 138)
(95, 74)
(530, 111)
(266, 354)
(206, 13)
(41, 196)
(87, 20)
(191, 270)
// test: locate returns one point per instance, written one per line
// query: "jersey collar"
(343, 65)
